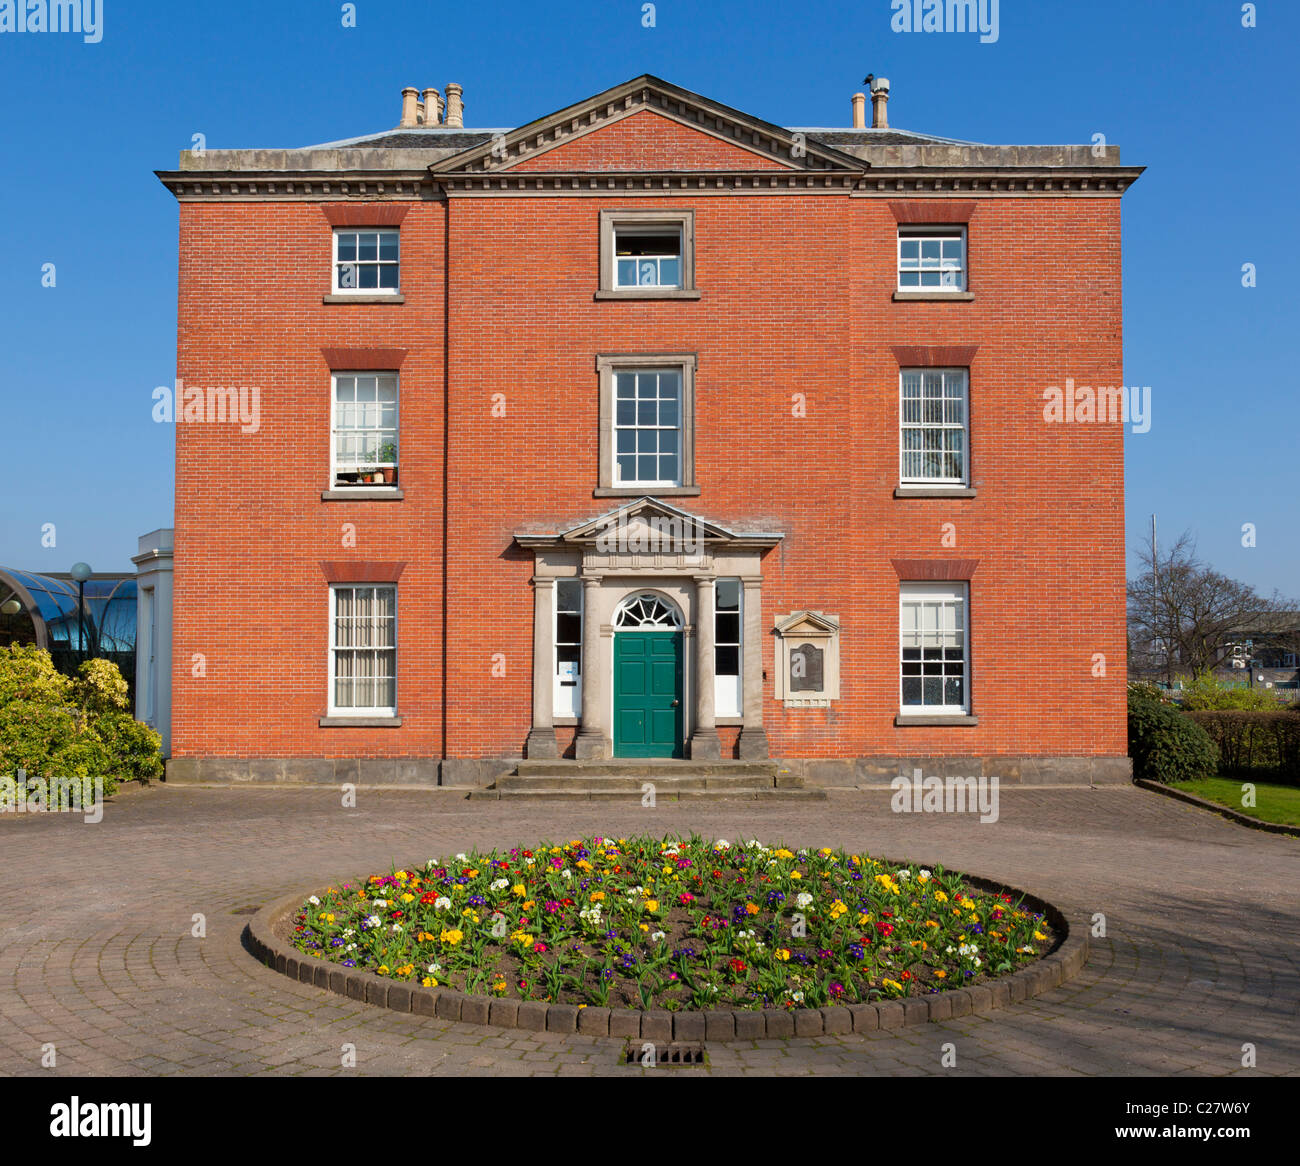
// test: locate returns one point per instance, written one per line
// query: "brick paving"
(97, 957)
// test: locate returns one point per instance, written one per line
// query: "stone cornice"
(299, 186)
(417, 186)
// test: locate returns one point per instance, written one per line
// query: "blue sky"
(1207, 105)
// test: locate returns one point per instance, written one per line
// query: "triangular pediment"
(807, 623)
(647, 125)
(648, 523)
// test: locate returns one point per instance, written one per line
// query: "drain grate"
(666, 1055)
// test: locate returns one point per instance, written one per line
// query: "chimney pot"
(879, 100)
(455, 106)
(432, 107)
(410, 104)
(859, 111)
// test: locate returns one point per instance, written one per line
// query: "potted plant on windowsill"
(388, 453)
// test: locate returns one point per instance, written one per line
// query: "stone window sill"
(961, 297)
(652, 293)
(934, 491)
(366, 493)
(338, 722)
(337, 298)
(727, 722)
(644, 491)
(903, 721)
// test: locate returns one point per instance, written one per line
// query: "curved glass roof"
(51, 600)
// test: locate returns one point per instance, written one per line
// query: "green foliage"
(55, 726)
(1167, 745)
(1253, 740)
(1206, 692)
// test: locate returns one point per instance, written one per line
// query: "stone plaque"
(806, 666)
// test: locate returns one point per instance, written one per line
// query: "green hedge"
(1251, 741)
(1167, 745)
(55, 726)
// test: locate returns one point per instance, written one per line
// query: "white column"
(541, 737)
(704, 738)
(753, 737)
(591, 742)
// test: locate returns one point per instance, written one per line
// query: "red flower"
(885, 928)
(737, 966)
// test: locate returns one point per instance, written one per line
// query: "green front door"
(648, 694)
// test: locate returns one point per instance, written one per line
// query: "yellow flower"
(782, 953)
(940, 897)
(583, 864)
(429, 982)
(1039, 935)
(407, 897)
(499, 986)
(652, 905)
(941, 975)
(597, 896)
(782, 853)
(837, 909)
(931, 923)
(528, 904)
(518, 889)
(751, 908)
(382, 970)
(645, 926)
(453, 936)
(794, 874)
(522, 938)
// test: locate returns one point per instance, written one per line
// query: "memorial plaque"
(806, 666)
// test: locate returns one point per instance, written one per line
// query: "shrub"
(1166, 745)
(55, 726)
(1253, 740)
(1206, 692)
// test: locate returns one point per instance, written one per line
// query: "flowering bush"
(53, 725)
(673, 923)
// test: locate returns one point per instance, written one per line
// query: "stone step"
(662, 794)
(614, 784)
(651, 769)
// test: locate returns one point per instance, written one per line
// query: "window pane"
(728, 628)
(568, 593)
(388, 276)
(388, 245)
(728, 594)
(727, 660)
(568, 628)
(347, 248)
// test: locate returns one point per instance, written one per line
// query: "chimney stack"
(432, 107)
(410, 96)
(455, 106)
(859, 111)
(879, 99)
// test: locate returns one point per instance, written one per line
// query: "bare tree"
(1186, 617)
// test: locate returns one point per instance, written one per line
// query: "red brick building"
(647, 429)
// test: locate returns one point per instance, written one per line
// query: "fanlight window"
(646, 611)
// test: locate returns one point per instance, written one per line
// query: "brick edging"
(1224, 811)
(1064, 962)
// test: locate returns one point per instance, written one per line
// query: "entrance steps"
(672, 780)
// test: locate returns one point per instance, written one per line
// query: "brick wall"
(796, 299)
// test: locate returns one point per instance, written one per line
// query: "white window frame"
(336, 710)
(340, 290)
(680, 429)
(335, 468)
(657, 221)
(729, 691)
(956, 277)
(628, 230)
(904, 426)
(566, 699)
(912, 594)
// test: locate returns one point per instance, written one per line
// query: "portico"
(666, 609)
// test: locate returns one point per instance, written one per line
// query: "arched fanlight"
(647, 611)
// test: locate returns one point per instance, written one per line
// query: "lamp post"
(81, 572)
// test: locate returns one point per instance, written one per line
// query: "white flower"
(803, 899)
(315, 902)
(977, 961)
(797, 997)
(529, 861)
(904, 874)
(442, 904)
(371, 921)
(925, 874)
(349, 931)
(396, 927)
(434, 968)
(566, 874)
(722, 844)
(380, 903)
(462, 858)
(500, 884)
(657, 936)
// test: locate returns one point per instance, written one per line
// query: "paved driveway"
(97, 959)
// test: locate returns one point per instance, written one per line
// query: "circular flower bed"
(673, 924)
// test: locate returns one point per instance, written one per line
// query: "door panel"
(648, 714)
